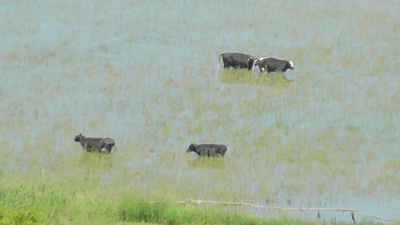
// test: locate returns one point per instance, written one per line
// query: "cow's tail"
(219, 61)
(254, 63)
(115, 149)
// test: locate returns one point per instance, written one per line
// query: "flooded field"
(145, 73)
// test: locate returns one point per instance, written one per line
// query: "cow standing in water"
(208, 149)
(273, 64)
(103, 145)
(237, 60)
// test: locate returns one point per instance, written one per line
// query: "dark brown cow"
(103, 145)
(208, 149)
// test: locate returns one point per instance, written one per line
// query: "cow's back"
(237, 59)
(276, 64)
(240, 58)
(109, 140)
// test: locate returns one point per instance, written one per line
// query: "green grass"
(177, 214)
(63, 203)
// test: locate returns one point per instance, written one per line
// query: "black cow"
(208, 149)
(274, 64)
(103, 145)
(237, 60)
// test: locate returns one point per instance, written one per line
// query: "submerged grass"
(248, 77)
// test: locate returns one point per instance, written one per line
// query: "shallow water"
(146, 74)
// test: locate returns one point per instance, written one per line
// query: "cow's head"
(291, 65)
(78, 138)
(192, 147)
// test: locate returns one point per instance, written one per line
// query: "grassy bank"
(29, 202)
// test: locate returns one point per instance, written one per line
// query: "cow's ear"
(195, 145)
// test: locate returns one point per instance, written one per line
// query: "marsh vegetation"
(145, 74)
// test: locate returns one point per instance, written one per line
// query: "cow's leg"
(212, 152)
(269, 69)
(87, 148)
(92, 149)
(109, 148)
(218, 151)
(226, 64)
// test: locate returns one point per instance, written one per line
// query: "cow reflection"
(206, 163)
(95, 162)
(248, 77)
